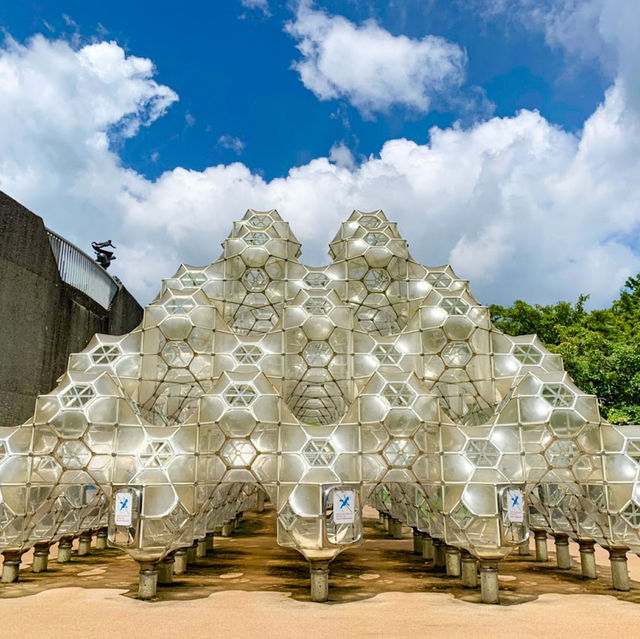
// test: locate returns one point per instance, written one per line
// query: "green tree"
(600, 348)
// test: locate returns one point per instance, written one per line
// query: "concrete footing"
(563, 558)
(417, 542)
(101, 539)
(452, 561)
(588, 559)
(180, 561)
(227, 529)
(427, 547)
(619, 570)
(64, 550)
(201, 548)
(469, 570)
(192, 552)
(209, 540)
(387, 519)
(165, 570)
(260, 502)
(319, 581)
(542, 553)
(489, 585)
(84, 544)
(40, 557)
(439, 559)
(148, 580)
(10, 566)
(523, 549)
(395, 528)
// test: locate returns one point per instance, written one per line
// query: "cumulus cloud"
(369, 66)
(521, 207)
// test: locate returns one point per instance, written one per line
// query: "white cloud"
(521, 207)
(369, 66)
(340, 154)
(233, 144)
(262, 5)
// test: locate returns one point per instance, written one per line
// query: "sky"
(502, 135)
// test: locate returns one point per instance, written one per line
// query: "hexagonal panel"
(260, 221)
(376, 239)
(527, 354)
(73, 454)
(316, 280)
(387, 354)
(193, 278)
(400, 452)
(248, 354)
(454, 305)
(177, 354)
(238, 453)
(566, 423)
(317, 353)
(562, 453)
(319, 452)
(369, 222)
(317, 306)
(439, 280)
(558, 395)
(105, 354)
(377, 280)
(399, 394)
(456, 354)
(633, 449)
(255, 279)
(240, 395)
(77, 396)
(482, 453)
(179, 305)
(256, 238)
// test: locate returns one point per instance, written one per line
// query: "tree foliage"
(600, 348)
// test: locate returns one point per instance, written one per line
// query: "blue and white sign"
(515, 505)
(344, 506)
(123, 508)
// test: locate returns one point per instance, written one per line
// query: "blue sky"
(319, 108)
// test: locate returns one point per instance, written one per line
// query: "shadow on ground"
(252, 561)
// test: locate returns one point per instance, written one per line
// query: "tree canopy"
(600, 348)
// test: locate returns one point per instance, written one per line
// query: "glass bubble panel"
(317, 353)
(260, 221)
(527, 354)
(631, 514)
(377, 280)
(177, 354)
(77, 395)
(193, 278)
(400, 452)
(73, 454)
(399, 394)
(376, 239)
(240, 395)
(316, 280)
(179, 305)
(387, 354)
(439, 280)
(633, 449)
(238, 453)
(369, 222)
(319, 452)
(250, 354)
(562, 453)
(454, 305)
(255, 279)
(317, 306)
(256, 238)
(105, 354)
(156, 454)
(558, 395)
(456, 354)
(482, 453)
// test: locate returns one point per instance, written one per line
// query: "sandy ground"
(249, 587)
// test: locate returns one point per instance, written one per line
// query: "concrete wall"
(42, 319)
